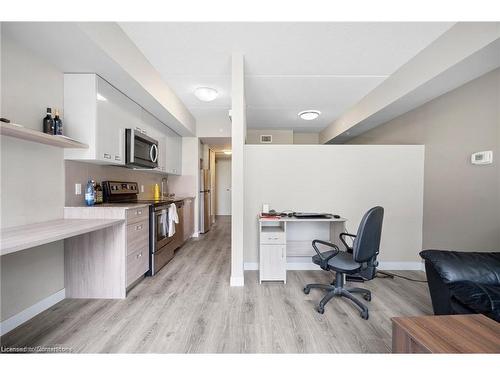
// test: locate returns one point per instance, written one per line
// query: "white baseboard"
(402, 266)
(25, 315)
(237, 281)
(294, 266)
(305, 266)
(250, 266)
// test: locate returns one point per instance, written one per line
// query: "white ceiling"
(289, 67)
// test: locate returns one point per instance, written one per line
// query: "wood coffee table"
(473, 333)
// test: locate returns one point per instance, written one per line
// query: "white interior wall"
(305, 138)
(345, 180)
(279, 136)
(32, 178)
(282, 136)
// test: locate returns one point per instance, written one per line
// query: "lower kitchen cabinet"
(188, 218)
(137, 244)
(137, 265)
(132, 261)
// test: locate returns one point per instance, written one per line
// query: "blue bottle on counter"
(90, 193)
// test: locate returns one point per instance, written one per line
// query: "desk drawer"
(137, 236)
(273, 238)
(137, 214)
(137, 264)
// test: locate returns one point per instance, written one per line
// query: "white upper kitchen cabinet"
(97, 114)
(169, 144)
(173, 159)
(155, 129)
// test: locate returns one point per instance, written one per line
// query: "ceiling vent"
(266, 139)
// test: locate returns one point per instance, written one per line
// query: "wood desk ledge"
(26, 236)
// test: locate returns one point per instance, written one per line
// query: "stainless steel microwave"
(141, 150)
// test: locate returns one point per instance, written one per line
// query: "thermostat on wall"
(482, 157)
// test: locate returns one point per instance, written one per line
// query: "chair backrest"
(367, 242)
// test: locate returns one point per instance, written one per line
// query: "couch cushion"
(480, 298)
(453, 266)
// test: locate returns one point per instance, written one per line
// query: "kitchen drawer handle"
(107, 156)
(138, 227)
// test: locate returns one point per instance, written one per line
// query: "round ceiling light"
(206, 94)
(309, 115)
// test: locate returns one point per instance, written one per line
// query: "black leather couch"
(463, 282)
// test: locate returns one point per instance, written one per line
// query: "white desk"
(282, 240)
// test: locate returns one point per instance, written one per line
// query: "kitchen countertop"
(125, 206)
(179, 198)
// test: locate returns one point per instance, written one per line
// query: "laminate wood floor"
(188, 307)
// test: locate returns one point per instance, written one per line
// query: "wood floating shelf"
(19, 131)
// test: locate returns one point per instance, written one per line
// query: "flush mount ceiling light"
(227, 152)
(206, 94)
(309, 115)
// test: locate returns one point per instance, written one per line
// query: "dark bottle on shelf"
(48, 122)
(58, 125)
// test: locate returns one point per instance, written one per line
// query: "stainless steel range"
(161, 246)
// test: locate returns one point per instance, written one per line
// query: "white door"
(223, 186)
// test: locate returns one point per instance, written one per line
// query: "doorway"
(223, 186)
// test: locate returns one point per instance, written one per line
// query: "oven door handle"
(155, 148)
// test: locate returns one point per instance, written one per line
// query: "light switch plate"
(78, 189)
(142, 188)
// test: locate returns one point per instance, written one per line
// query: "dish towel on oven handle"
(164, 223)
(172, 219)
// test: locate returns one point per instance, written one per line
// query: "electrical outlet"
(78, 189)
(142, 188)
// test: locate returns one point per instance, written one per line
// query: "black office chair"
(362, 260)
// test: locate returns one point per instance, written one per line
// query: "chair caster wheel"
(367, 297)
(364, 315)
(306, 290)
(320, 309)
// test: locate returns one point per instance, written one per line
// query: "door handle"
(155, 149)
(138, 227)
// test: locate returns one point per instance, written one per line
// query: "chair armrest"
(342, 235)
(324, 259)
